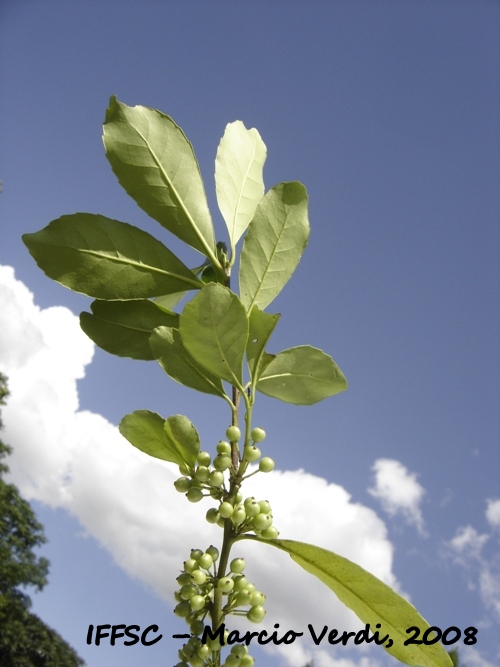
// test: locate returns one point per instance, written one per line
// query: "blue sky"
(389, 113)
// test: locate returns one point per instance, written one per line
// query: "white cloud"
(472, 658)
(77, 460)
(398, 491)
(468, 543)
(493, 513)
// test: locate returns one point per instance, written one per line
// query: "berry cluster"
(195, 600)
(251, 515)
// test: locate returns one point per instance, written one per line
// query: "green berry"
(240, 583)
(258, 598)
(182, 484)
(190, 565)
(253, 508)
(233, 434)
(232, 661)
(197, 628)
(198, 577)
(202, 474)
(183, 579)
(240, 650)
(187, 591)
(184, 469)
(203, 651)
(203, 458)
(196, 661)
(251, 453)
(226, 584)
(243, 598)
(262, 521)
(196, 554)
(194, 495)
(182, 609)
(216, 478)
(237, 565)
(212, 515)
(265, 506)
(247, 661)
(256, 614)
(239, 515)
(197, 602)
(226, 509)
(206, 561)
(213, 551)
(270, 533)
(222, 462)
(258, 434)
(266, 464)
(223, 447)
(221, 522)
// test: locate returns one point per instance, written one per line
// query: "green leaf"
(175, 439)
(167, 347)
(155, 163)
(107, 259)
(238, 177)
(273, 246)
(124, 327)
(370, 599)
(261, 326)
(302, 375)
(214, 330)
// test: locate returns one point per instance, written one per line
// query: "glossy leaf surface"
(167, 347)
(175, 439)
(214, 330)
(238, 176)
(302, 375)
(261, 326)
(107, 259)
(124, 327)
(273, 245)
(370, 599)
(155, 163)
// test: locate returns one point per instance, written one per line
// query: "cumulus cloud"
(398, 491)
(66, 457)
(493, 513)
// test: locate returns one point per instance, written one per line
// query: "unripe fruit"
(266, 464)
(213, 551)
(203, 458)
(270, 533)
(182, 609)
(238, 516)
(198, 577)
(226, 509)
(202, 473)
(243, 598)
(206, 561)
(212, 515)
(184, 469)
(183, 579)
(203, 651)
(262, 521)
(223, 447)
(190, 565)
(258, 598)
(233, 434)
(265, 506)
(240, 650)
(232, 661)
(226, 584)
(194, 495)
(237, 565)
(216, 478)
(253, 508)
(251, 453)
(196, 661)
(182, 484)
(240, 583)
(197, 602)
(187, 591)
(258, 434)
(247, 661)
(256, 614)
(197, 628)
(222, 462)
